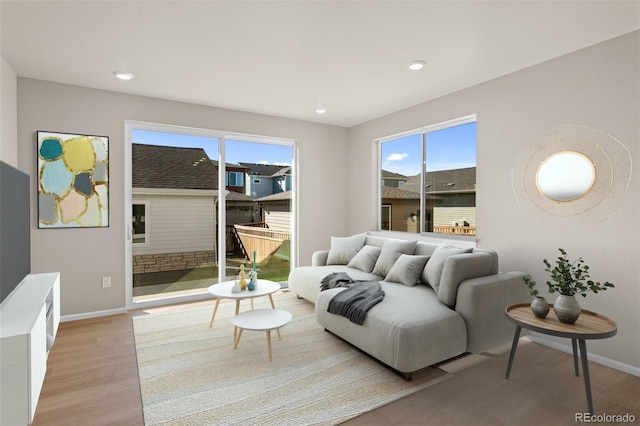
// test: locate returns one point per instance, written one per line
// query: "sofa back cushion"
(424, 248)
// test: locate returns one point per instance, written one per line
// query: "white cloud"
(396, 157)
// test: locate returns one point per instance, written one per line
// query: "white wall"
(83, 256)
(598, 87)
(8, 114)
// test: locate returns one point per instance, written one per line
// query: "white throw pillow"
(343, 249)
(435, 265)
(407, 270)
(365, 259)
(391, 251)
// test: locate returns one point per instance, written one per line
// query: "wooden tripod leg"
(238, 339)
(215, 309)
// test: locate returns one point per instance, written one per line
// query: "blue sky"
(451, 148)
(236, 151)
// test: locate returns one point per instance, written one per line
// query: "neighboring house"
(391, 179)
(400, 209)
(267, 179)
(234, 177)
(450, 202)
(174, 195)
(276, 211)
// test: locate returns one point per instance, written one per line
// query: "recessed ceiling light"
(320, 110)
(123, 75)
(417, 65)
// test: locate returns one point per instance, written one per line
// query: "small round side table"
(589, 325)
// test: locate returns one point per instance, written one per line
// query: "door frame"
(222, 136)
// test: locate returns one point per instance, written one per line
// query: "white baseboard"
(616, 365)
(95, 314)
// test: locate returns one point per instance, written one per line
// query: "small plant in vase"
(569, 279)
(539, 305)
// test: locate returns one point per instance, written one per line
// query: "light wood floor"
(92, 379)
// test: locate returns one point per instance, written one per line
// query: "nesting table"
(261, 320)
(223, 291)
(589, 325)
(255, 319)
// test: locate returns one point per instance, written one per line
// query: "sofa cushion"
(409, 330)
(343, 249)
(433, 271)
(365, 259)
(391, 251)
(407, 269)
(305, 280)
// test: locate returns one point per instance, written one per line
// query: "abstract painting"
(73, 180)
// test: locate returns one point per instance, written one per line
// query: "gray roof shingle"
(155, 166)
(463, 180)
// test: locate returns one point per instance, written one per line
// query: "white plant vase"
(567, 309)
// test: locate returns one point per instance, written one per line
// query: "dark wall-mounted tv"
(15, 228)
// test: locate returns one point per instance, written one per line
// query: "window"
(433, 171)
(235, 179)
(139, 223)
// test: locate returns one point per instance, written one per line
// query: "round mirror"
(565, 176)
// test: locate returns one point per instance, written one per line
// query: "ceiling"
(289, 58)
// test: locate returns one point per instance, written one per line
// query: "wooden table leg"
(514, 346)
(585, 373)
(235, 329)
(215, 309)
(238, 339)
(269, 343)
(273, 306)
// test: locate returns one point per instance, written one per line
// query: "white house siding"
(180, 228)
(279, 221)
(445, 216)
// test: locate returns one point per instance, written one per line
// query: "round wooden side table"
(589, 325)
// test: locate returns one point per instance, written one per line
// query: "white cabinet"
(29, 320)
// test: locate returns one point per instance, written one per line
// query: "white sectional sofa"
(440, 300)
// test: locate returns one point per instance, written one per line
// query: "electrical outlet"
(106, 282)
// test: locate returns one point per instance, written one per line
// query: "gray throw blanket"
(354, 302)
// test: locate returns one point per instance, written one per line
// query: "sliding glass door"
(258, 208)
(203, 205)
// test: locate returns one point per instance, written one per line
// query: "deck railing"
(458, 230)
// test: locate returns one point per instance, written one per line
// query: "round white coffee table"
(261, 320)
(223, 291)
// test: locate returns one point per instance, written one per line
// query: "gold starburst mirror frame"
(571, 175)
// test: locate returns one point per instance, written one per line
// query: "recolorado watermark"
(604, 418)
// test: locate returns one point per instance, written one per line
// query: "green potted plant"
(569, 279)
(539, 305)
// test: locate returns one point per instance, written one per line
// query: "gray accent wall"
(597, 87)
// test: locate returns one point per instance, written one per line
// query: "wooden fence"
(264, 241)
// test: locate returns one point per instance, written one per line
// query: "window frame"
(237, 176)
(423, 131)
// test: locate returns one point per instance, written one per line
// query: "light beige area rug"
(190, 374)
